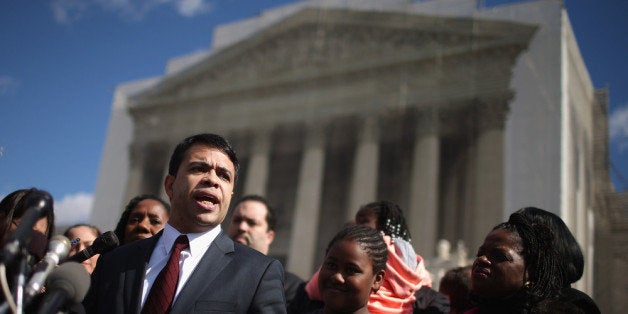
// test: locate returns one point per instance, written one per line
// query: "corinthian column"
(422, 215)
(308, 199)
(147, 170)
(136, 171)
(257, 174)
(489, 166)
(365, 167)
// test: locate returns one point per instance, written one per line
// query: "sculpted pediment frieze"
(317, 44)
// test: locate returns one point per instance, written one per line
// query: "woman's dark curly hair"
(564, 241)
(124, 218)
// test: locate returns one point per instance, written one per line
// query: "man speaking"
(192, 265)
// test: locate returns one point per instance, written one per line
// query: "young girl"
(353, 269)
(408, 280)
(406, 274)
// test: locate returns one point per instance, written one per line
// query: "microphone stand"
(20, 281)
(6, 293)
(19, 287)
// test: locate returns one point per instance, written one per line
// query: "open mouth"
(206, 200)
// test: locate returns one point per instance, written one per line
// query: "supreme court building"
(459, 113)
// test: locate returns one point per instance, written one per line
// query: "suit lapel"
(136, 270)
(215, 259)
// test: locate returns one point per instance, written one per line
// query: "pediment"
(322, 43)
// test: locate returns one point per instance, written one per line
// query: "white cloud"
(7, 84)
(69, 11)
(73, 208)
(618, 127)
(130, 9)
(190, 8)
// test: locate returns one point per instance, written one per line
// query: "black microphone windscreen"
(37, 245)
(39, 199)
(103, 244)
(106, 242)
(71, 278)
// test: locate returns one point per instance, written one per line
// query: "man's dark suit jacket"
(230, 278)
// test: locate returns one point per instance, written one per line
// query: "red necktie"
(160, 297)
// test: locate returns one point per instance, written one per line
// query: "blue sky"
(61, 60)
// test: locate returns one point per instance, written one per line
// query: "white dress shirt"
(190, 257)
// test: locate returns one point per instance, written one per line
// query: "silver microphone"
(58, 249)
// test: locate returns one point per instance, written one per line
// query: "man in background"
(253, 224)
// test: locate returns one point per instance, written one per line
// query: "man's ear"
(379, 279)
(271, 236)
(168, 182)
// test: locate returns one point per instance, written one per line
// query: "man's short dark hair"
(211, 140)
(271, 217)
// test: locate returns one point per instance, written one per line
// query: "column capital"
(136, 150)
(261, 139)
(370, 129)
(428, 121)
(491, 113)
(315, 135)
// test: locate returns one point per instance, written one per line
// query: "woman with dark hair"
(11, 210)
(516, 268)
(143, 217)
(570, 254)
(564, 241)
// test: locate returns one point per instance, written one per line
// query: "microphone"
(36, 250)
(67, 283)
(103, 244)
(38, 203)
(37, 246)
(58, 249)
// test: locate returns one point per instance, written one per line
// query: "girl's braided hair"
(390, 219)
(369, 240)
